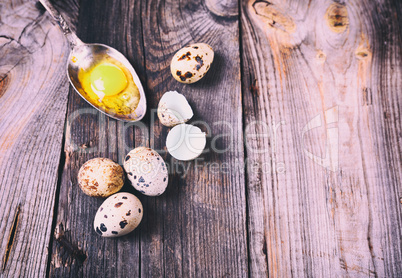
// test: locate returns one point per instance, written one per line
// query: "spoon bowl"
(84, 57)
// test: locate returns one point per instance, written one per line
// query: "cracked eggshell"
(100, 177)
(192, 62)
(147, 171)
(173, 109)
(118, 215)
(185, 142)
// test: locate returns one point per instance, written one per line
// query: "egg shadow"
(213, 77)
(155, 208)
(147, 211)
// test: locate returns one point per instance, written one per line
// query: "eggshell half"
(173, 109)
(185, 142)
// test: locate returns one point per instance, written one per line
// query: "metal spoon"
(83, 56)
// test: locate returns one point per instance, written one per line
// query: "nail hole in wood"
(321, 57)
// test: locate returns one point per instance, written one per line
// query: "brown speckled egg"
(147, 171)
(192, 62)
(118, 215)
(100, 177)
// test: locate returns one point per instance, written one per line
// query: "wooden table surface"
(302, 176)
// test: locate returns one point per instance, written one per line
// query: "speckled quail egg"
(173, 109)
(192, 62)
(118, 215)
(185, 142)
(100, 177)
(147, 171)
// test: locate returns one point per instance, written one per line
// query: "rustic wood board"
(323, 80)
(313, 86)
(199, 224)
(203, 215)
(77, 251)
(33, 97)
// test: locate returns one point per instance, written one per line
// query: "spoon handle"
(70, 35)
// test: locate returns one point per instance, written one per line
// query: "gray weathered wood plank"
(198, 227)
(33, 98)
(81, 252)
(323, 82)
(321, 104)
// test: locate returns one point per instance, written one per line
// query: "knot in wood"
(363, 53)
(337, 18)
(4, 81)
(225, 8)
(274, 17)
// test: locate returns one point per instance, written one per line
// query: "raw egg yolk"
(109, 79)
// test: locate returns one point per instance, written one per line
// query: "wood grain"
(33, 97)
(198, 225)
(302, 106)
(81, 252)
(198, 228)
(323, 81)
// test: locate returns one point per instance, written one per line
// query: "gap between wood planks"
(62, 163)
(243, 120)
